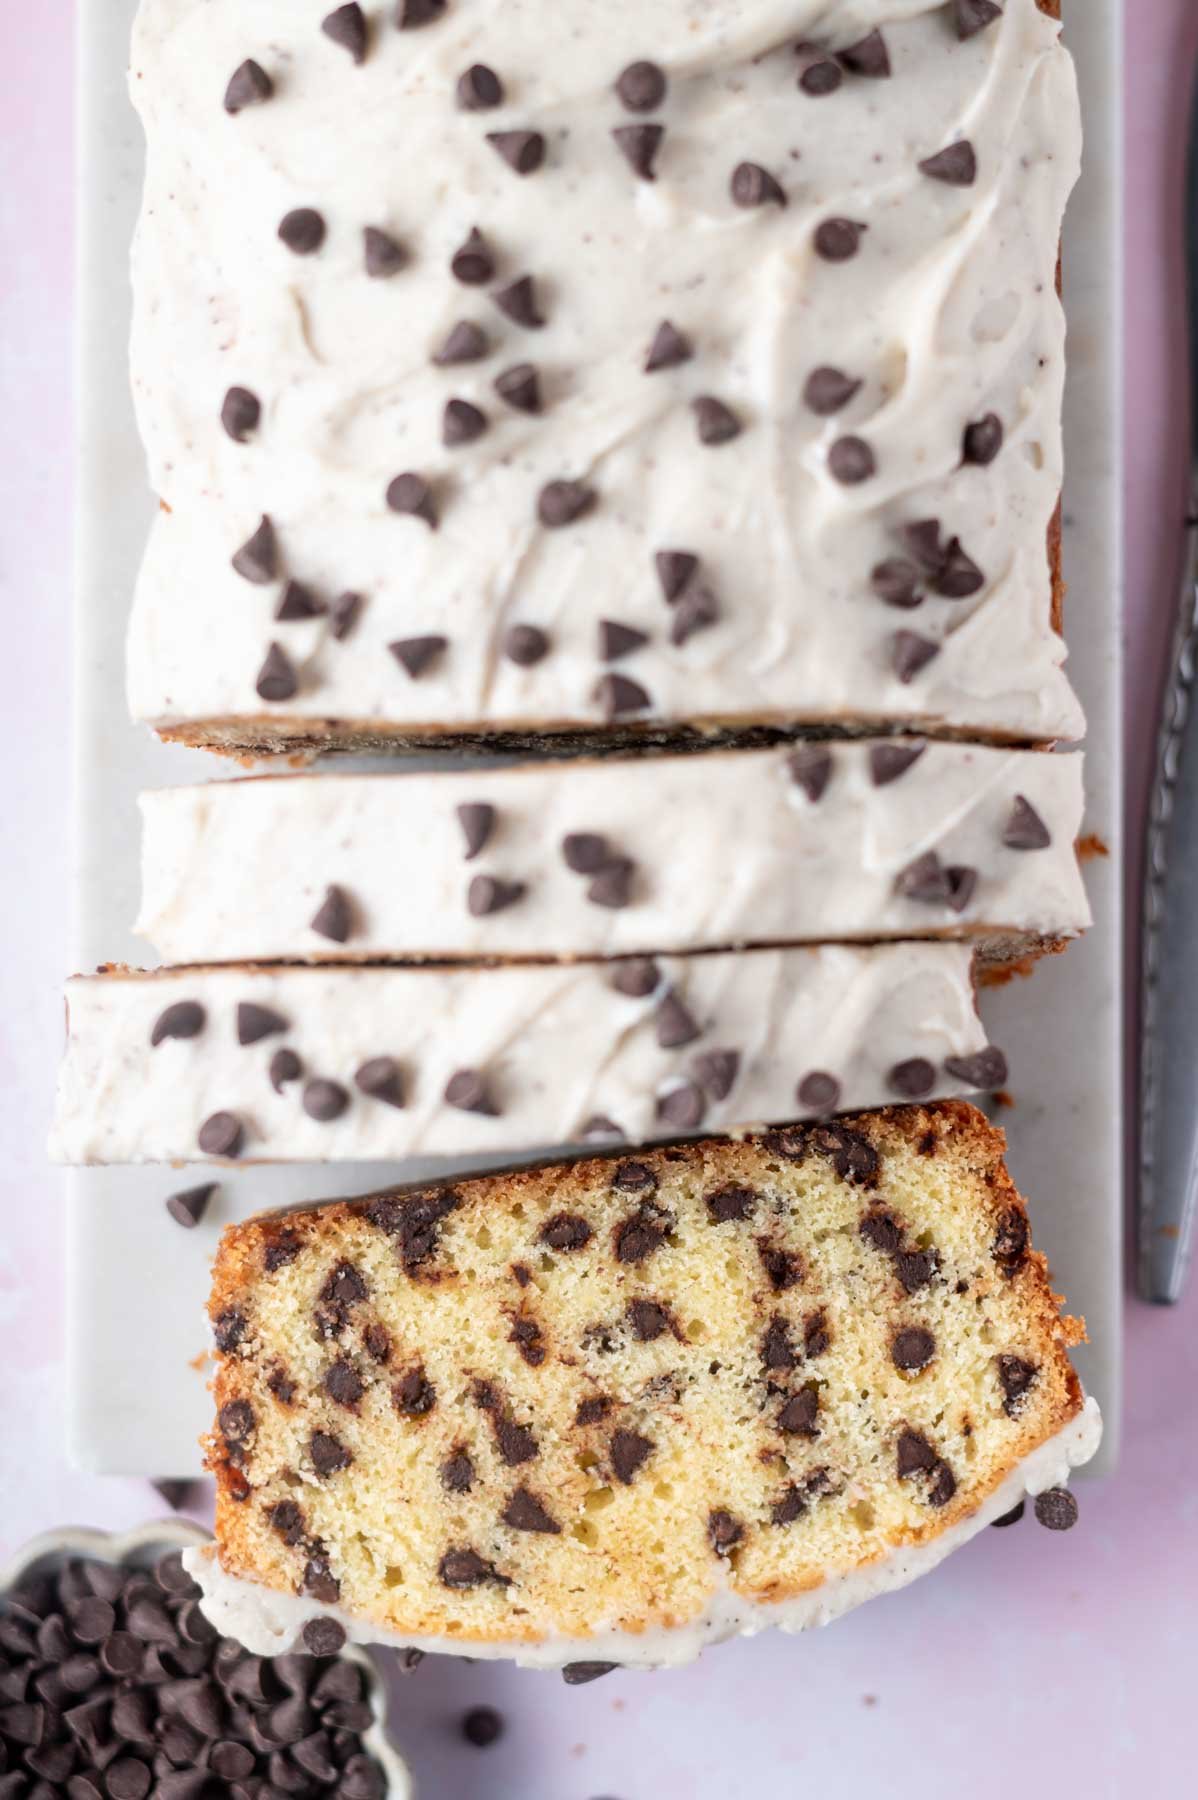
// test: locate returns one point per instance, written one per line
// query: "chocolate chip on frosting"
(1025, 829)
(525, 645)
(715, 422)
(563, 502)
(302, 231)
(697, 610)
(462, 423)
(346, 27)
(523, 151)
(285, 1066)
(276, 680)
(240, 413)
(258, 558)
(611, 886)
(299, 602)
(343, 615)
(477, 820)
(221, 1134)
(838, 240)
(617, 640)
(640, 144)
(668, 350)
(384, 255)
(410, 14)
(828, 391)
(913, 1079)
(248, 86)
(868, 57)
(333, 918)
(910, 654)
(956, 165)
(987, 1070)
(619, 694)
(382, 1079)
(820, 75)
(255, 1022)
(642, 87)
(637, 977)
(518, 302)
(983, 440)
(675, 1024)
(466, 343)
(716, 1071)
(479, 89)
(896, 582)
(675, 570)
(487, 894)
(851, 461)
(473, 263)
(467, 1091)
(188, 1208)
(324, 1100)
(752, 185)
(925, 879)
(682, 1106)
(888, 761)
(520, 388)
(411, 495)
(416, 656)
(819, 1092)
(972, 16)
(182, 1019)
(810, 768)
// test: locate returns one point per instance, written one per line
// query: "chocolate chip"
(798, 1416)
(563, 502)
(303, 231)
(221, 1134)
(957, 165)
(973, 16)
(343, 1384)
(640, 144)
(617, 640)
(93, 1620)
(518, 302)
(638, 1238)
(467, 1569)
(343, 614)
(189, 1207)
(525, 645)
(819, 1092)
(413, 13)
(1009, 1518)
(682, 1106)
(612, 884)
(346, 26)
(128, 1779)
(324, 1100)
(276, 680)
(828, 391)
(255, 1022)
(912, 1348)
(888, 761)
(462, 423)
(731, 1203)
(524, 1512)
(915, 1269)
(675, 1025)
(636, 978)
(228, 1329)
(914, 1455)
(457, 1472)
(783, 1269)
(1025, 829)
(642, 87)
(479, 89)
(619, 694)
(474, 263)
(910, 654)
(754, 186)
(777, 1350)
(578, 1674)
(668, 350)
(183, 1019)
(487, 894)
(1015, 1377)
(820, 76)
(675, 569)
(565, 1231)
(716, 1071)
(983, 440)
(417, 655)
(724, 1531)
(628, 1451)
(1056, 1509)
(959, 577)
(361, 1778)
(810, 768)
(926, 880)
(634, 1178)
(231, 1760)
(523, 151)
(1011, 1238)
(912, 1079)
(715, 422)
(851, 461)
(467, 1091)
(695, 611)
(328, 1454)
(986, 1070)
(412, 496)
(838, 240)
(381, 1078)
(248, 86)
(896, 582)
(466, 343)
(868, 57)
(520, 387)
(648, 1320)
(240, 413)
(333, 918)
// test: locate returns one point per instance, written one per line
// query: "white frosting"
(728, 850)
(948, 313)
(558, 1046)
(268, 1622)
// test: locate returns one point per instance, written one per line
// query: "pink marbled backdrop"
(1075, 1658)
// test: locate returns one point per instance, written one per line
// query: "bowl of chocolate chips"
(114, 1686)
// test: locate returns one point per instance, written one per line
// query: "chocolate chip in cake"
(914, 1455)
(383, 254)
(1056, 1509)
(324, 1100)
(912, 1348)
(634, 1178)
(565, 1231)
(591, 1410)
(783, 1268)
(523, 151)
(240, 413)
(896, 583)
(1015, 1377)
(417, 655)
(642, 87)
(525, 645)
(333, 918)
(983, 440)
(413, 1394)
(888, 761)
(412, 496)
(527, 1336)
(649, 1320)
(467, 1569)
(972, 16)
(228, 1329)
(467, 1091)
(479, 89)
(868, 57)
(715, 422)
(851, 461)
(1009, 1518)
(1025, 829)
(524, 1512)
(851, 1154)
(829, 390)
(819, 1092)
(473, 264)
(376, 1341)
(520, 387)
(724, 1531)
(619, 694)
(462, 423)
(716, 1071)
(579, 1674)
(675, 570)
(912, 1079)
(249, 85)
(344, 1288)
(910, 655)
(255, 1022)
(457, 1472)
(487, 894)
(1011, 1240)
(816, 1336)
(640, 145)
(221, 1134)
(916, 1269)
(466, 343)
(183, 1019)
(959, 577)
(343, 1384)
(957, 165)
(482, 1726)
(382, 1079)
(189, 1207)
(987, 1070)
(752, 185)
(639, 1237)
(346, 26)
(674, 1024)
(777, 1350)
(343, 615)
(838, 240)
(287, 1519)
(926, 880)
(518, 302)
(563, 502)
(730, 1202)
(302, 231)
(413, 13)
(669, 349)
(798, 1416)
(276, 680)
(629, 1451)
(617, 640)
(516, 1442)
(328, 1454)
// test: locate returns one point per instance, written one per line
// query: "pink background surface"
(1074, 1657)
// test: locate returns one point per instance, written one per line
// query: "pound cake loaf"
(290, 1064)
(612, 1412)
(518, 369)
(883, 839)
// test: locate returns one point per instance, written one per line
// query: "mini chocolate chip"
(518, 302)
(912, 1348)
(957, 165)
(983, 440)
(914, 1455)
(828, 391)
(810, 768)
(642, 87)
(724, 1531)
(189, 1207)
(695, 611)
(346, 26)
(731, 1202)
(328, 1454)
(851, 461)
(487, 894)
(716, 1071)
(640, 145)
(838, 240)
(467, 1091)
(249, 84)
(585, 852)
(628, 1451)
(333, 919)
(276, 680)
(912, 1079)
(412, 496)
(382, 1078)
(1009, 1518)
(467, 1569)
(479, 89)
(523, 151)
(525, 645)
(612, 885)
(565, 1231)
(674, 1023)
(754, 186)
(777, 1350)
(457, 1472)
(482, 1726)
(579, 1674)
(1015, 1377)
(324, 1100)
(682, 1106)
(819, 1092)
(648, 1320)
(675, 570)
(783, 1268)
(668, 350)
(183, 1019)
(820, 75)
(868, 57)
(221, 1134)
(959, 576)
(93, 1620)
(410, 14)
(255, 1022)
(910, 654)
(1011, 1241)
(384, 255)
(637, 977)
(466, 343)
(303, 231)
(638, 1238)
(520, 387)
(343, 1384)
(896, 582)
(524, 1512)
(798, 1416)
(231, 1760)
(1025, 829)
(120, 1654)
(715, 422)
(926, 880)
(888, 761)
(128, 1779)
(286, 1518)
(617, 640)
(973, 16)
(462, 423)
(563, 502)
(343, 615)
(474, 263)
(417, 655)
(915, 1269)
(986, 1070)
(240, 413)
(1056, 1509)
(620, 694)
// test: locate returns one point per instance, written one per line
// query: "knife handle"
(1168, 1199)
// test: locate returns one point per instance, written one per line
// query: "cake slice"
(612, 1412)
(880, 839)
(307, 1064)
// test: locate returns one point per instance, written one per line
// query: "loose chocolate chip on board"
(525, 645)
(888, 761)
(324, 1100)
(716, 1071)
(1009, 1518)
(731, 1203)
(189, 1207)
(564, 502)
(819, 1092)
(838, 240)
(913, 1079)
(333, 918)
(1025, 829)
(240, 413)
(466, 343)
(382, 1079)
(302, 231)
(520, 388)
(868, 57)
(383, 254)
(674, 1023)
(473, 264)
(798, 1416)
(482, 1726)
(983, 440)
(258, 558)
(910, 655)
(412, 13)
(912, 1349)
(987, 1070)
(956, 165)
(972, 16)
(462, 423)
(629, 1451)
(675, 570)
(752, 185)
(183, 1019)
(417, 655)
(221, 1134)
(467, 1091)
(524, 1512)
(522, 151)
(518, 302)
(851, 461)
(715, 423)
(828, 391)
(896, 583)
(638, 1238)
(457, 1472)
(479, 89)
(642, 87)
(329, 1455)
(640, 145)
(580, 1673)
(346, 27)
(668, 350)
(412, 496)
(467, 1569)
(248, 85)
(1015, 1377)
(255, 1022)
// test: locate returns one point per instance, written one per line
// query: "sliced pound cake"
(610, 1412)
